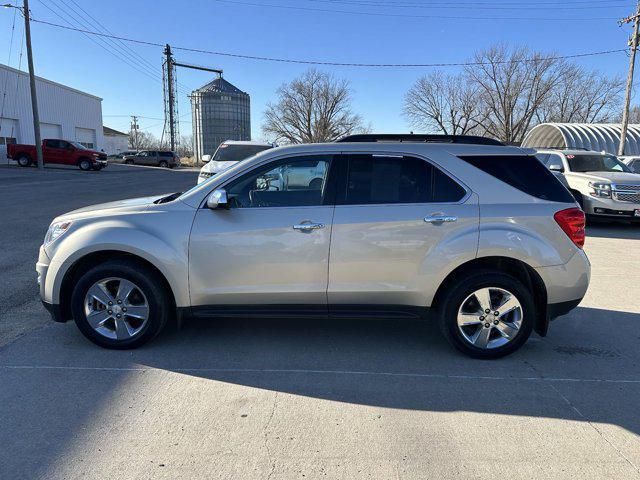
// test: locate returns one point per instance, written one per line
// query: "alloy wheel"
(490, 317)
(116, 308)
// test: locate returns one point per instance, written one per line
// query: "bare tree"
(143, 140)
(316, 107)
(445, 103)
(634, 114)
(582, 96)
(512, 86)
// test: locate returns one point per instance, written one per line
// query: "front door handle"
(440, 218)
(307, 226)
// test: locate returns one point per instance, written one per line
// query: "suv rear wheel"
(487, 315)
(163, 164)
(120, 304)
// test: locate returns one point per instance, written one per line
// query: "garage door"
(86, 136)
(50, 130)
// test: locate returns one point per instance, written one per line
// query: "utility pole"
(32, 84)
(134, 130)
(170, 93)
(633, 42)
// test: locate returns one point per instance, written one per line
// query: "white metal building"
(114, 141)
(591, 136)
(65, 112)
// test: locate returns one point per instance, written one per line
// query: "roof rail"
(428, 138)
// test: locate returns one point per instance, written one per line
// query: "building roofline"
(51, 82)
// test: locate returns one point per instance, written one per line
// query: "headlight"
(56, 230)
(600, 189)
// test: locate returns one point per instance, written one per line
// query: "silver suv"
(476, 234)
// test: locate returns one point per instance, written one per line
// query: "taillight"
(572, 222)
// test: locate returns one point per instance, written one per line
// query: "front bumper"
(608, 207)
(55, 311)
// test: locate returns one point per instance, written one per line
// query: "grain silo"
(220, 111)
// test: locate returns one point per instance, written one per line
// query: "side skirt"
(305, 311)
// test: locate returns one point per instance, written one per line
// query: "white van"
(228, 154)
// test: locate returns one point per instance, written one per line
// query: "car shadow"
(624, 230)
(575, 374)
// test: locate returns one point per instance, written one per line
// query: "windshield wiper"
(168, 198)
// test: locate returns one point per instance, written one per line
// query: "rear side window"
(524, 172)
(380, 179)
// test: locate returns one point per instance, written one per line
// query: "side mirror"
(218, 199)
(556, 168)
(206, 158)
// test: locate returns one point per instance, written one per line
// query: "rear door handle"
(308, 226)
(440, 218)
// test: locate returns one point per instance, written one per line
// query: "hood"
(110, 208)
(216, 166)
(614, 177)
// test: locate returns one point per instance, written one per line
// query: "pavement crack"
(265, 432)
(585, 419)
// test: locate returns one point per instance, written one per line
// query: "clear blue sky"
(401, 37)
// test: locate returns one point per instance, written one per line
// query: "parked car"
(120, 156)
(156, 158)
(602, 185)
(228, 154)
(61, 152)
(479, 235)
(632, 162)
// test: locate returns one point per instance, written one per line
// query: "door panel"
(248, 256)
(388, 254)
(271, 247)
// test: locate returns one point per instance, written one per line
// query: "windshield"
(596, 163)
(78, 145)
(235, 153)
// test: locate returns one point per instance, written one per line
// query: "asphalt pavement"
(307, 399)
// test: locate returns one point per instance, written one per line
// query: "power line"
(106, 42)
(467, 6)
(331, 63)
(6, 79)
(408, 15)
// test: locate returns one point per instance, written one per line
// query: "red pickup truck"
(61, 152)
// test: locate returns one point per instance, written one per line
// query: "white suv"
(476, 234)
(228, 154)
(602, 185)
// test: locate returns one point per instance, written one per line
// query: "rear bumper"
(567, 282)
(555, 310)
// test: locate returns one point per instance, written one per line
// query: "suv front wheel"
(120, 304)
(487, 315)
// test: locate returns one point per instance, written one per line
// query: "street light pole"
(32, 85)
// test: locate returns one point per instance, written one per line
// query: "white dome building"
(590, 136)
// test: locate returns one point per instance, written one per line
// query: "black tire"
(163, 164)
(84, 164)
(24, 161)
(128, 162)
(461, 288)
(578, 196)
(149, 283)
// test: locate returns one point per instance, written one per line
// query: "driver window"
(293, 182)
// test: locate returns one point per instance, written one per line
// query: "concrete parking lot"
(313, 399)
